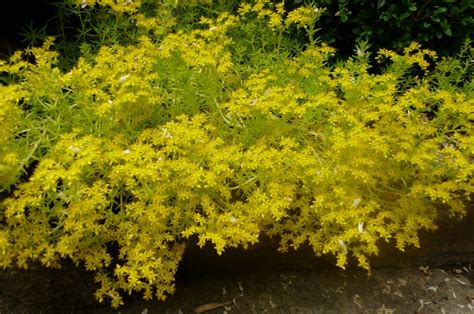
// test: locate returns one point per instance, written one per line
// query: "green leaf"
(380, 4)
(448, 31)
(385, 17)
(404, 16)
(412, 8)
(440, 10)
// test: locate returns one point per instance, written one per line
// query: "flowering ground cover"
(219, 125)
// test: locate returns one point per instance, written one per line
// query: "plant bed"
(226, 133)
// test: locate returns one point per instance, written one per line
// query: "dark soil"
(438, 278)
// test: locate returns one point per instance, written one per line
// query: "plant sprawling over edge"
(226, 131)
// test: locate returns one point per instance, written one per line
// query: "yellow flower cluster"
(303, 16)
(121, 6)
(277, 17)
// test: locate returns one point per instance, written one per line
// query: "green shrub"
(441, 24)
(117, 161)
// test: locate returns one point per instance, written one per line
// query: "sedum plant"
(225, 132)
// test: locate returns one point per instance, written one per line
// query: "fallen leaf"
(357, 300)
(210, 306)
(460, 281)
(422, 304)
(384, 310)
(398, 294)
(123, 78)
(402, 282)
(273, 305)
(433, 288)
(424, 269)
